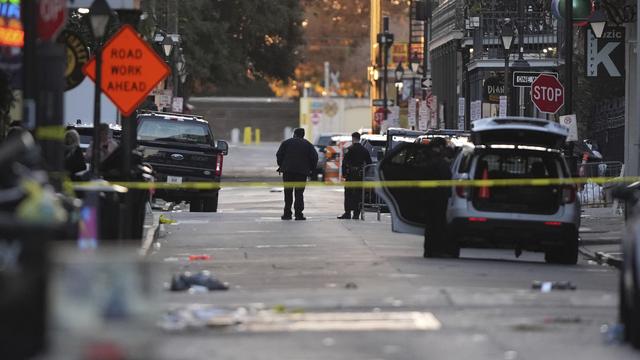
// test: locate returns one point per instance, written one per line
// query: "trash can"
(24, 265)
(106, 198)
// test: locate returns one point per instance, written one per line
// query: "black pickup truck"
(181, 149)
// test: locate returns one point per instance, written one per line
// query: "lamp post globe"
(399, 72)
(507, 35)
(167, 45)
(597, 22)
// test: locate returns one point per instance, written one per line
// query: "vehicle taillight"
(568, 194)
(461, 191)
(219, 165)
(477, 219)
(553, 223)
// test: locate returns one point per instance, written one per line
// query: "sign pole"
(95, 154)
(129, 144)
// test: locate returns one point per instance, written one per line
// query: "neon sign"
(11, 33)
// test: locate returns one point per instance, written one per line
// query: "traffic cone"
(484, 190)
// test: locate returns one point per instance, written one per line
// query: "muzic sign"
(130, 70)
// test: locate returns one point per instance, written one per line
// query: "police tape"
(421, 184)
(50, 132)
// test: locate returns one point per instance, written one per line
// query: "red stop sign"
(52, 15)
(547, 93)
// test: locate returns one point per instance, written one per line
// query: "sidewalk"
(601, 233)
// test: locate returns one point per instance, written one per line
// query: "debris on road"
(199, 257)
(547, 286)
(351, 286)
(196, 283)
(563, 320)
(612, 334)
(166, 221)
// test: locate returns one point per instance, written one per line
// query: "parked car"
(397, 136)
(181, 148)
(321, 144)
(533, 218)
(375, 144)
(86, 134)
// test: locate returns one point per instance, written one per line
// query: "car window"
(158, 129)
(324, 141)
(415, 157)
(508, 165)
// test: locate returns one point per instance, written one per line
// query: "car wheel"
(210, 204)
(433, 249)
(567, 254)
(195, 205)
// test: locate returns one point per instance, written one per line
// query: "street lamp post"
(99, 18)
(167, 48)
(399, 73)
(415, 65)
(385, 40)
(568, 57)
(507, 40)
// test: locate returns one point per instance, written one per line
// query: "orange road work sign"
(130, 69)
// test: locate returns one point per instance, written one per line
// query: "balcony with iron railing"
(485, 18)
(540, 34)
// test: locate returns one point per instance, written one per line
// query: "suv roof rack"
(162, 113)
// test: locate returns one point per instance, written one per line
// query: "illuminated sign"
(11, 33)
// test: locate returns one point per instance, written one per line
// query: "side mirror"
(223, 147)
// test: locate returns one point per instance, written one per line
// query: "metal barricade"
(370, 200)
(593, 194)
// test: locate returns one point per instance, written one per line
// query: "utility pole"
(568, 57)
(385, 60)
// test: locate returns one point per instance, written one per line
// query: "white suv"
(532, 218)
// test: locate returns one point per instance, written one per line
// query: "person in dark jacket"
(436, 243)
(296, 159)
(73, 158)
(353, 163)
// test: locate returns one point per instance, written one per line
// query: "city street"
(481, 306)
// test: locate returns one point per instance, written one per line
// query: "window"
(160, 129)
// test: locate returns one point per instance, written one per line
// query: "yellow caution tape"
(53, 132)
(369, 184)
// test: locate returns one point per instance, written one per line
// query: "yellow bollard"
(247, 135)
(257, 136)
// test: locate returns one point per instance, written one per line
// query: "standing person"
(73, 159)
(107, 144)
(436, 243)
(296, 159)
(353, 163)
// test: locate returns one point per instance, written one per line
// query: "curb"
(597, 242)
(151, 236)
(601, 258)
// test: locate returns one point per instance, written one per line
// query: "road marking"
(253, 231)
(285, 246)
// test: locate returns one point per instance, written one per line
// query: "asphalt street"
(300, 290)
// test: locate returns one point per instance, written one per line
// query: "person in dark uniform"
(296, 159)
(436, 243)
(355, 158)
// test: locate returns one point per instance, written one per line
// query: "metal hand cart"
(371, 202)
